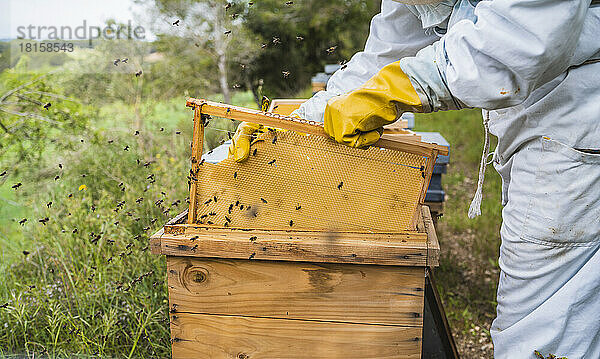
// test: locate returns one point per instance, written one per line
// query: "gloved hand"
(356, 119)
(239, 148)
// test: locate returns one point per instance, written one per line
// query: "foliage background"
(104, 167)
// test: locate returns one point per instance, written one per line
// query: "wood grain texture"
(433, 245)
(285, 106)
(406, 249)
(202, 336)
(197, 147)
(366, 294)
(294, 181)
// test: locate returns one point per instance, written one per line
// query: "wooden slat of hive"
(409, 248)
(404, 249)
(298, 182)
(433, 245)
(207, 336)
(349, 293)
(303, 126)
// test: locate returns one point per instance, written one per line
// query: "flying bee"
(331, 50)
(265, 102)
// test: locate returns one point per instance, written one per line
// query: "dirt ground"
(467, 280)
(469, 328)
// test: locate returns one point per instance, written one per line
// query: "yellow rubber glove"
(356, 119)
(239, 148)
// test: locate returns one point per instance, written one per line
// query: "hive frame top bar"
(305, 126)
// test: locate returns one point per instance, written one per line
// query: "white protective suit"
(534, 65)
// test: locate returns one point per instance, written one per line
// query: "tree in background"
(302, 36)
(269, 46)
(215, 27)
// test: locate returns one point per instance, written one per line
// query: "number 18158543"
(46, 47)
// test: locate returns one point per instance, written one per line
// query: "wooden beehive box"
(309, 249)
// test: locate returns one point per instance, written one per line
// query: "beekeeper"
(533, 66)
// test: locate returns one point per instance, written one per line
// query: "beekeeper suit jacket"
(532, 65)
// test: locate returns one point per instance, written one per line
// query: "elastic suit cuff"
(426, 72)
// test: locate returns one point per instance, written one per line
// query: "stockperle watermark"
(83, 47)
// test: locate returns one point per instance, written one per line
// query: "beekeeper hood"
(430, 12)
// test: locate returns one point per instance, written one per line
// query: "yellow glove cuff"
(357, 118)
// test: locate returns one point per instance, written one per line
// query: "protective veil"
(533, 64)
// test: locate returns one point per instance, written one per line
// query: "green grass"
(468, 272)
(87, 283)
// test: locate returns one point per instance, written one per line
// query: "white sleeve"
(496, 61)
(394, 33)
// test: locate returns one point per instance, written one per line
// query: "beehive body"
(273, 309)
(309, 249)
(285, 294)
